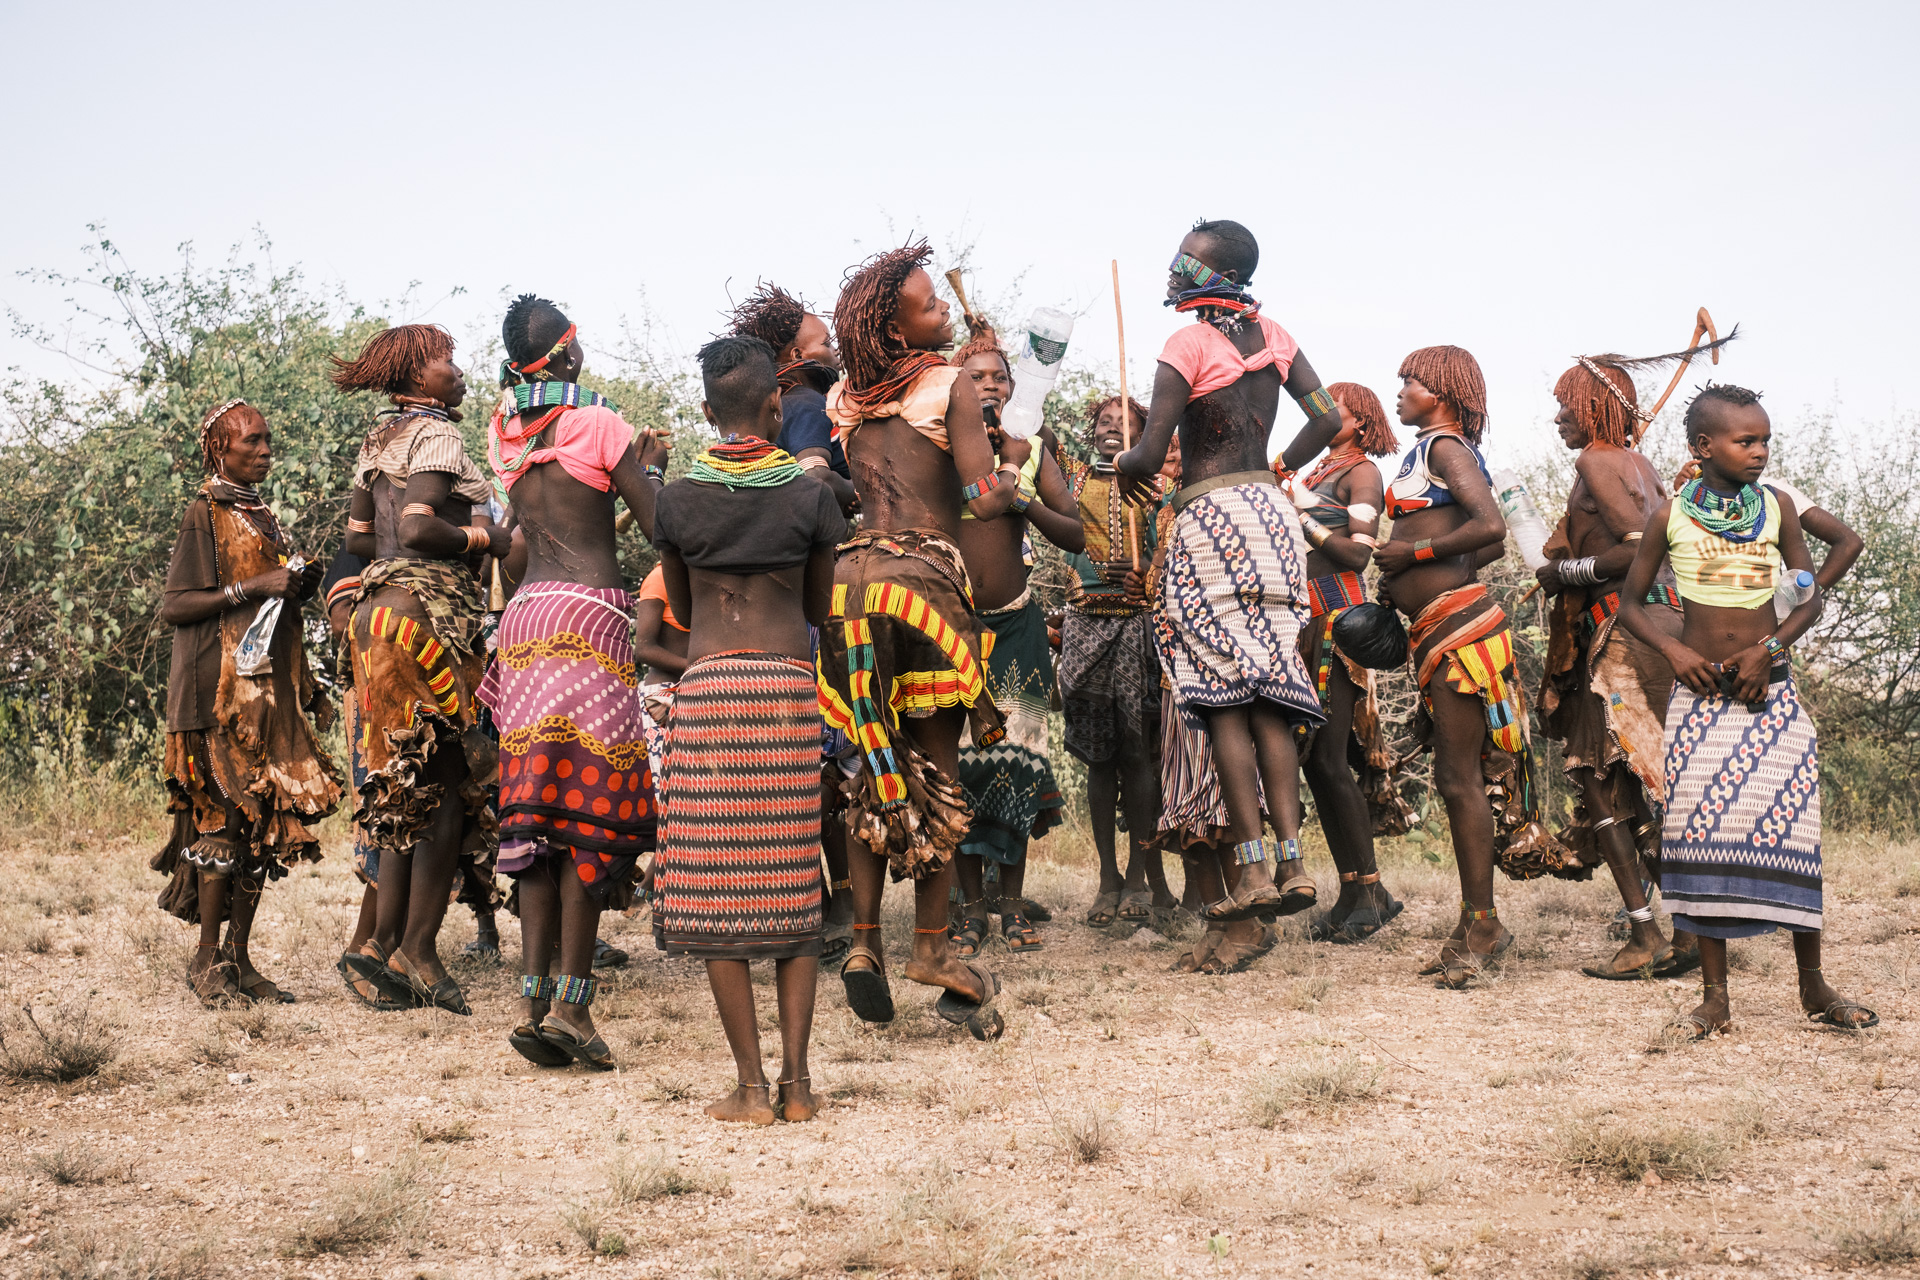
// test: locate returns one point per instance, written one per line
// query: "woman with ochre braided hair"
(1347, 492)
(245, 777)
(419, 514)
(576, 795)
(1446, 524)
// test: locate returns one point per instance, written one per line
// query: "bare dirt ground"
(1325, 1114)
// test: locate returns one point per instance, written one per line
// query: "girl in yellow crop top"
(1740, 840)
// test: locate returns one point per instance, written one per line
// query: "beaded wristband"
(1021, 500)
(981, 486)
(655, 472)
(1423, 549)
(1773, 647)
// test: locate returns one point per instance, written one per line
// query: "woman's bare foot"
(746, 1105)
(933, 964)
(796, 1104)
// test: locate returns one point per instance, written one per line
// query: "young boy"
(1235, 594)
(1110, 673)
(809, 366)
(1009, 785)
(746, 545)
(1740, 843)
(900, 657)
(1446, 524)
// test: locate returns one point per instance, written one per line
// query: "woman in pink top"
(1234, 596)
(576, 796)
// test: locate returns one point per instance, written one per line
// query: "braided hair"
(982, 341)
(770, 314)
(216, 431)
(393, 359)
(1376, 436)
(1600, 412)
(531, 328)
(868, 298)
(1714, 393)
(1135, 410)
(1452, 374)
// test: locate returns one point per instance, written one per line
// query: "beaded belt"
(1608, 605)
(1332, 591)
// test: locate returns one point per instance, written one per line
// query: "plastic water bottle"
(1795, 589)
(250, 656)
(1523, 518)
(1035, 372)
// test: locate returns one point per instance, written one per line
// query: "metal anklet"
(1248, 852)
(574, 990)
(1641, 915)
(533, 988)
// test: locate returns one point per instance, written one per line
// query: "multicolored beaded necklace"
(1737, 517)
(748, 462)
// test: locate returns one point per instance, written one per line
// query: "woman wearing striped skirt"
(746, 542)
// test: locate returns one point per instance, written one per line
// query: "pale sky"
(1528, 181)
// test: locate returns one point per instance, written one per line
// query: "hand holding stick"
(953, 282)
(1126, 416)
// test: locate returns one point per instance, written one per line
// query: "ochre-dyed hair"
(216, 433)
(1454, 375)
(770, 314)
(982, 341)
(1134, 408)
(868, 298)
(1376, 432)
(1597, 410)
(393, 358)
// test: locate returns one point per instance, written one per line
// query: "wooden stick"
(1126, 416)
(1702, 324)
(953, 282)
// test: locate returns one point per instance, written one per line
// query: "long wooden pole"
(1126, 416)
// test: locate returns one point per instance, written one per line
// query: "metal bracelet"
(1579, 573)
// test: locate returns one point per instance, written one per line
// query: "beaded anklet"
(574, 990)
(533, 988)
(1489, 914)
(1248, 852)
(1289, 850)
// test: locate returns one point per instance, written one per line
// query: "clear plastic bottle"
(250, 656)
(1529, 531)
(1795, 589)
(1034, 373)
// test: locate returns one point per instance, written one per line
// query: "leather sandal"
(868, 994)
(594, 1053)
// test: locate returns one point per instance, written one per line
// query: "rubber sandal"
(868, 994)
(1263, 903)
(1020, 934)
(263, 990)
(216, 989)
(1830, 1016)
(1328, 925)
(1462, 967)
(1365, 921)
(607, 956)
(482, 952)
(957, 1009)
(1678, 962)
(1693, 1028)
(1228, 958)
(1607, 973)
(377, 971)
(1192, 961)
(972, 931)
(593, 1053)
(1297, 892)
(444, 994)
(371, 997)
(1105, 909)
(1137, 905)
(1034, 911)
(526, 1042)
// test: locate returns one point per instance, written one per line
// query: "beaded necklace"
(745, 463)
(1737, 517)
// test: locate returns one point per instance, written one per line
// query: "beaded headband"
(535, 366)
(1203, 276)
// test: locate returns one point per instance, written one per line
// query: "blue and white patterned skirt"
(1740, 849)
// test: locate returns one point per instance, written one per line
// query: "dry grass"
(457, 1131)
(1888, 1234)
(61, 1047)
(932, 1227)
(1628, 1147)
(99, 1254)
(69, 1165)
(366, 1214)
(1085, 1136)
(1321, 1082)
(657, 1177)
